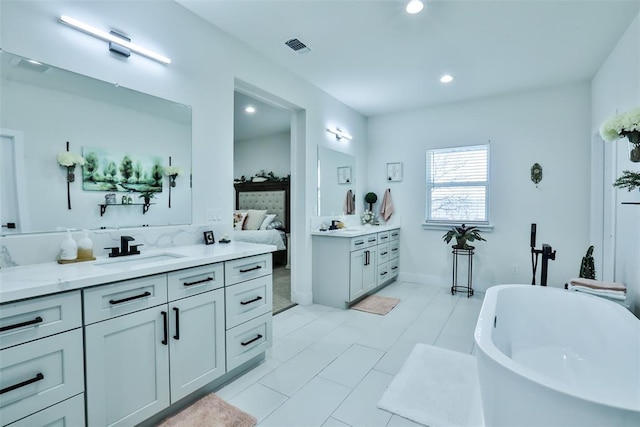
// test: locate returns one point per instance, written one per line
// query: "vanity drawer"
(394, 249)
(248, 340)
(28, 320)
(239, 270)
(247, 300)
(107, 301)
(383, 253)
(383, 273)
(383, 237)
(394, 267)
(40, 373)
(394, 234)
(192, 281)
(365, 241)
(69, 413)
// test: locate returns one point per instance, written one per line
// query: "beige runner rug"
(376, 304)
(210, 411)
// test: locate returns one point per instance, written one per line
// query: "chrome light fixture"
(340, 134)
(117, 42)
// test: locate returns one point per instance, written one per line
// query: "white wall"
(548, 126)
(202, 75)
(616, 89)
(270, 153)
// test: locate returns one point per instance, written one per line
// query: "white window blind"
(458, 184)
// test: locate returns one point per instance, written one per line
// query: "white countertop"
(355, 231)
(48, 278)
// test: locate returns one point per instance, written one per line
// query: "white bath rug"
(437, 388)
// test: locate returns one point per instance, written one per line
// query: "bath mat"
(210, 411)
(376, 305)
(436, 387)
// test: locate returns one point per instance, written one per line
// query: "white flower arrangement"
(617, 126)
(368, 217)
(69, 159)
(172, 171)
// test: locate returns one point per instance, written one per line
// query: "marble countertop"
(35, 280)
(355, 231)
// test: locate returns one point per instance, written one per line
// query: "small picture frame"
(344, 174)
(208, 238)
(394, 171)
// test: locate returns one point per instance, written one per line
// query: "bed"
(274, 197)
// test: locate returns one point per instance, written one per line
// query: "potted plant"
(463, 234)
(629, 180)
(370, 198)
(147, 195)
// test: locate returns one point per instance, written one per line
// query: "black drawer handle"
(384, 237)
(250, 301)
(359, 243)
(208, 279)
(165, 323)
(394, 268)
(372, 239)
(394, 249)
(384, 253)
(251, 340)
(23, 383)
(383, 273)
(20, 325)
(257, 267)
(120, 301)
(177, 335)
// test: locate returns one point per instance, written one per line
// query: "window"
(458, 185)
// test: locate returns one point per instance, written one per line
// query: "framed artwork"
(344, 174)
(394, 171)
(208, 238)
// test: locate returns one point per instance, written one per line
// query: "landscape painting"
(106, 170)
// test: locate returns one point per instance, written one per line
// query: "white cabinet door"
(370, 273)
(197, 342)
(362, 272)
(127, 368)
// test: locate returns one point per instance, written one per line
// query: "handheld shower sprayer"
(547, 254)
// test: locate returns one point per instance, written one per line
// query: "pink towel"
(349, 207)
(386, 209)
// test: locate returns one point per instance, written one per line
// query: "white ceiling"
(266, 120)
(376, 58)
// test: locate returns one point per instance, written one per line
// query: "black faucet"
(547, 254)
(124, 248)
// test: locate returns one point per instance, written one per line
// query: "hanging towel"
(349, 207)
(386, 209)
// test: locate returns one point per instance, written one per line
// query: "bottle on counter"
(68, 248)
(85, 246)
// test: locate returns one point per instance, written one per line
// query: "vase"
(461, 242)
(633, 139)
(70, 173)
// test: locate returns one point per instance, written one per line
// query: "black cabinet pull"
(23, 383)
(384, 253)
(373, 239)
(250, 301)
(208, 279)
(20, 325)
(394, 249)
(257, 267)
(251, 340)
(383, 273)
(120, 301)
(394, 268)
(177, 335)
(359, 243)
(165, 323)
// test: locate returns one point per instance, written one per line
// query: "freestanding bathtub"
(550, 357)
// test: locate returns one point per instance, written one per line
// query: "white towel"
(386, 209)
(617, 295)
(349, 207)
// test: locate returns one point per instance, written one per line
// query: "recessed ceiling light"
(249, 109)
(447, 78)
(414, 6)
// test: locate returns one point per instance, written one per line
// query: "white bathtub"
(550, 357)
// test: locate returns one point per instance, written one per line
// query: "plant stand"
(459, 288)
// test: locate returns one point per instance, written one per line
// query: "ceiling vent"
(297, 46)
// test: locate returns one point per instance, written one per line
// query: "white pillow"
(267, 220)
(254, 219)
(239, 219)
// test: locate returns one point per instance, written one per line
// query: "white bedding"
(266, 237)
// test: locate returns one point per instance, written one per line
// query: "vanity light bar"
(113, 39)
(340, 134)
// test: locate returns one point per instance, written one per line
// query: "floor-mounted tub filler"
(550, 357)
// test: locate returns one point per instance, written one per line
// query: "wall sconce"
(117, 42)
(69, 161)
(536, 173)
(172, 172)
(339, 134)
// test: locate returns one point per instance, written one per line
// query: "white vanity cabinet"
(140, 363)
(41, 359)
(347, 268)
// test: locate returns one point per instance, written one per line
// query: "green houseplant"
(463, 234)
(147, 196)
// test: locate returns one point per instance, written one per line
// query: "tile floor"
(330, 367)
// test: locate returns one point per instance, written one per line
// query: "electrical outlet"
(213, 215)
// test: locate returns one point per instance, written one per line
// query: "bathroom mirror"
(336, 177)
(43, 109)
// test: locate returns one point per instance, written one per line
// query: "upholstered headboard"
(270, 196)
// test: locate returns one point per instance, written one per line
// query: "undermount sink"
(138, 259)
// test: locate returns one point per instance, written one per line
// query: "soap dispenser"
(68, 248)
(85, 247)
